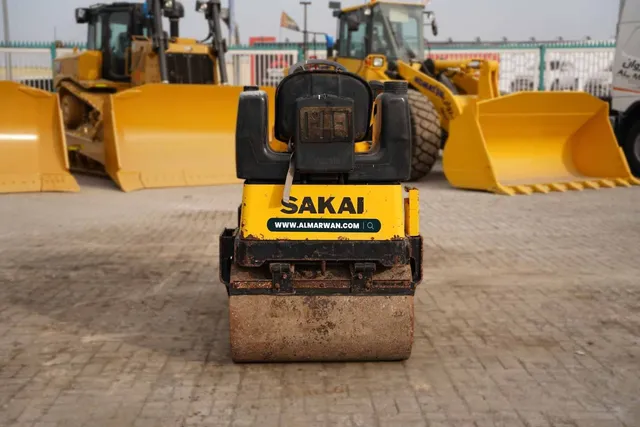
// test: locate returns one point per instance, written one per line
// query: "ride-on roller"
(327, 254)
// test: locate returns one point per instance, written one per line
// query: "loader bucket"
(171, 135)
(532, 142)
(33, 154)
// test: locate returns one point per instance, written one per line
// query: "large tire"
(632, 149)
(427, 135)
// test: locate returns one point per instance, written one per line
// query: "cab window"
(343, 46)
(380, 37)
(353, 44)
(357, 42)
(118, 41)
(119, 33)
(95, 33)
(405, 25)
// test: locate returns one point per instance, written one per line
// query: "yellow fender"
(33, 152)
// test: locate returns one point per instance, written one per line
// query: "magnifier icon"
(370, 226)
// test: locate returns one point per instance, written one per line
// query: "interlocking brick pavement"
(111, 314)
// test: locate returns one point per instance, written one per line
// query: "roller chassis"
(302, 300)
(302, 267)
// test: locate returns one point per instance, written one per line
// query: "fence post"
(54, 54)
(542, 68)
(301, 54)
(235, 65)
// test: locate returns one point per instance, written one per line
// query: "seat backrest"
(304, 84)
(389, 160)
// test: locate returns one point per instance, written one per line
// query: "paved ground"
(111, 315)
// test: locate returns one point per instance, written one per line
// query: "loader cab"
(393, 30)
(110, 29)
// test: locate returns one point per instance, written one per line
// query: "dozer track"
(82, 112)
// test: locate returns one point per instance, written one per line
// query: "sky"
(461, 20)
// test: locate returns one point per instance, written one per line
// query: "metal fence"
(523, 66)
(249, 66)
(30, 63)
(583, 66)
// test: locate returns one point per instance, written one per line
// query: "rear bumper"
(254, 255)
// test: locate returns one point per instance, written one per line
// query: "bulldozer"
(147, 108)
(517, 143)
(326, 256)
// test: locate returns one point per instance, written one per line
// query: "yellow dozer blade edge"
(33, 153)
(171, 135)
(535, 142)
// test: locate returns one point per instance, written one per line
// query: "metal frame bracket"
(362, 276)
(281, 277)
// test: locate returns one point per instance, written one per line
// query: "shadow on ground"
(155, 287)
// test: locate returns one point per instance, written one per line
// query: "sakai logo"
(324, 205)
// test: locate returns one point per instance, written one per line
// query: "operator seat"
(390, 161)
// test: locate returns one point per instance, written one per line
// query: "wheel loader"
(327, 254)
(520, 143)
(147, 109)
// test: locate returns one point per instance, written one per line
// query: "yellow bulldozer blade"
(170, 135)
(532, 142)
(33, 153)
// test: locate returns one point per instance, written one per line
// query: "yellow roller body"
(32, 143)
(160, 135)
(534, 142)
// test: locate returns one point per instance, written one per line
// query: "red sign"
(261, 39)
(466, 55)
